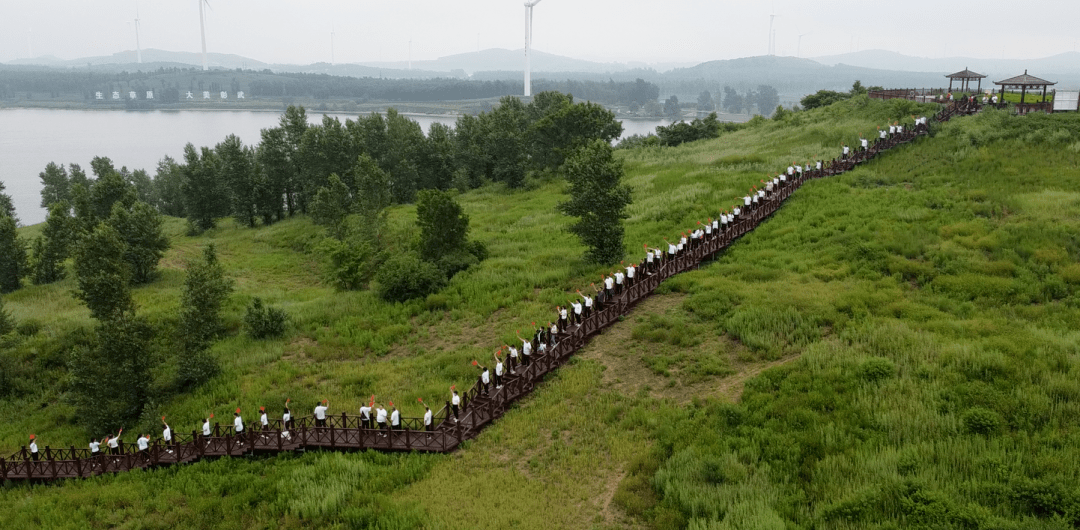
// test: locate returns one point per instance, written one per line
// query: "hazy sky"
(294, 31)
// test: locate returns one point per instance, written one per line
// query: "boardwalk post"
(52, 461)
(200, 443)
(408, 442)
(332, 444)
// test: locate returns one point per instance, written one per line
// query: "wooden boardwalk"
(478, 408)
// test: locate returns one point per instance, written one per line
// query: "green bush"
(264, 321)
(979, 420)
(877, 369)
(406, 276)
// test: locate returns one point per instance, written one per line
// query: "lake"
(31, 138)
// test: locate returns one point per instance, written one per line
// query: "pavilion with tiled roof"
(965, 76)
(1024, 82)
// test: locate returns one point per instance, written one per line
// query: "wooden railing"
(478, 407)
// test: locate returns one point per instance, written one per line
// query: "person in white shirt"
(498, 371)
(553, 332)
(485, 378)
(847, 151)
(746, 202)
(716, 224)
(320, 413)
(95, 447)
(671, 250)
(526, 351)
(380, 417)
(709, 229)
(881, 134)
(865, 143)
(561, 311)
(682, 242)
(33, 448)
(428, 425)
(514, 361)
(395, 418)
(609, 287)
(144, 442)
(735, 213)
(650, 262)
(114, 444)
(769, 188)
(577, 313)
(238, 422)
(818, 165)
(286, 420)
(166, 432)
(588, 305)
(455, 401)
(206, 426)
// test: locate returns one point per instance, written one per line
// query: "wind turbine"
(798, 49)
(138, 47)
(772, 36)
(331, 45)
(528, 45)
(202, 28)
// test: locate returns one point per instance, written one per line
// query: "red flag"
(474, 363)
(324, 401)
(32, 436)
(211, 415)
(238, 410)
(287, 400)
(391, 403)
(261, 409)
(420, 400)
(497, 353)
(452, 387)
(163, 418)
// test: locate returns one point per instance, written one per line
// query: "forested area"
(344, 176)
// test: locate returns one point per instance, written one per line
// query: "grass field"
(897, 347)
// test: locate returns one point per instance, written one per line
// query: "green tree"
(109, 189)
(405, 276)
(705, 102)
(276, 172)
(766, 98)
(7, 325)
(444, 227)
(205, 196)
(54, 245)
(140, 181)
(562, 126)
(103, 275)
(55, 186)
(76, 175)
(7, 208)
(324, 150)
(111, 380)
(101, 166)
(733, 101)
(822, 98)
(470, 152)
(671, 108)
(205, 291)
(141, 229)
(857, 88)
(437, 163)
(293, 125)
(12, 255)
(236, 168)
(168, 195)
(598, 199)
(400, 159)
(506, 127)
(332, 205)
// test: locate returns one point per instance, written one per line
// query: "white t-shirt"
(756, 199)
(513, 352)
(499, 368)
(708, 228)
(723, 219)
(716, 224)
(95, 447)
(791, 170)
(737, 212)
(205, 428)
(864, 142)
(846, 150)
(783, 177)
(892, 129)
(818, 166)
(166, 434)
(143, 443)
(609, 283)
(33, 447)
(619, 277)
(588, 301)
(395, 418)
(456, 400)
(238, 424)
(365, 412)
(262, 419)
(761, 194)
(286, 417)
(577, 307)
(427, 416)
(682, 241)
(526, 346)
(114, 443)
(671, 248)
(899, 129)
(562, 313)
(649, 256)
(320, 412)
(485, 377)
(881, 134)
(380, 415)
(769, 186)
(630, 271)
(680, 246)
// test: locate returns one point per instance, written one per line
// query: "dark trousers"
(618, 288)
(588, 311)
(365, 423)
(484, 386)
(577, 317)
(513, 363)
(498, 380)
(455, 409)
(34, 456)
(114, 450)
(525, 360)
(429, 427)
(320, 423)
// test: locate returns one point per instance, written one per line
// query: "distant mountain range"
(792, 77)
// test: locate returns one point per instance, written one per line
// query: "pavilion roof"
(965, 74)
(1025, 80)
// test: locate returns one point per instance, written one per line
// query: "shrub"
(264, 321)
(7, 323)
(876, 369)
(28, 328)
(979, 420)
(406, 276)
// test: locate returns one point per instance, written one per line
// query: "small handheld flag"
(324, 401)
(391, 403)
(211, 415)
(262, 409)
(474, 363)
(238, 410)
(420, 400)
(453, 387)
(32, 436)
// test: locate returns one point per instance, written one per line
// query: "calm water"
(31, 138)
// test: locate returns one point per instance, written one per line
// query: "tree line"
(109, 226)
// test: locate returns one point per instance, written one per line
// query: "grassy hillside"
(896, 347)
